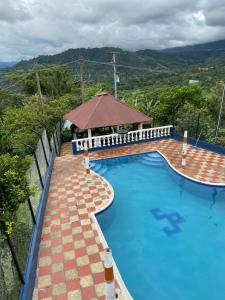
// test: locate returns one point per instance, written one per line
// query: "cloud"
(33, 27)
(13, 11)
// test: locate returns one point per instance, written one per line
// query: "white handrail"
(122, 139)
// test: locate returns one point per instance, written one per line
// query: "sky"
(34, 27)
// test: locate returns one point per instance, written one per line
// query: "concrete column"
(140, 126)
(89, 133)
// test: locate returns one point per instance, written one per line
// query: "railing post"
(3, 228)
(53, 136)
(43, 147)
(49, 144)
(31, 210)
(42, 144)
(36, 162)
(58, 142)
(38, 169)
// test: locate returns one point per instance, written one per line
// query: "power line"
(20, 80)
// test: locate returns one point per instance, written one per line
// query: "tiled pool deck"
(71, 252)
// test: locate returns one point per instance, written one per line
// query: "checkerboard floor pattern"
(201, 164)
(71, 253)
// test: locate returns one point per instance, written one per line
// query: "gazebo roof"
(104, 110)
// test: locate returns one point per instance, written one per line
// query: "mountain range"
(6, 64)
(208, 54)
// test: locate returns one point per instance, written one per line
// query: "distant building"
(191, 81)
(203, 69)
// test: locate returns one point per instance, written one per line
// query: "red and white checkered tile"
(70, 262)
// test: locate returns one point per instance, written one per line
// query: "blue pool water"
(167, 233)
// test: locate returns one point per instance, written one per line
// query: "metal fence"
(14, 249)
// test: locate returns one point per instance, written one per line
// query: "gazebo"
(104, 111)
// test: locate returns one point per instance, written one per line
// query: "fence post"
(49, 144)
(44, 126)
(38, 169)
(3, 228)
(31, 210)
(197, 127)
(58, 142)
(36, 162)
(43, 147)
(54, 143)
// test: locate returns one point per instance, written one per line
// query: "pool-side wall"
(201, 144)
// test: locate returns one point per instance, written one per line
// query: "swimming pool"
(167, 233)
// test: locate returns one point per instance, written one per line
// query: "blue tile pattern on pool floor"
(173, 218)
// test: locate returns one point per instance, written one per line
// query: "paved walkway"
(71, 252)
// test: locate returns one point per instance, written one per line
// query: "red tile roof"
(104, 110)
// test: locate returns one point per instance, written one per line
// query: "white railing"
(122, 139)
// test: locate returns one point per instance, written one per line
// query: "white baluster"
(112, 140)
(120, 139)
(77, 146)
(128, 137)
(95, 142)
(124, 139)
(108, 141)
(116, 139)
(143, 135)
(103, 141)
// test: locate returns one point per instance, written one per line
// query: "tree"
(214, 99)
(197, 121)
(14, 188)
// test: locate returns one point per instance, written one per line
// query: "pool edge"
(169, 163)
(119, 278)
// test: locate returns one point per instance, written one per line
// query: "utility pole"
(114, 74)
(39, 86)
(82, 78)
(220, 112)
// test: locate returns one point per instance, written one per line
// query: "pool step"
(152, 159)
(99, 168)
